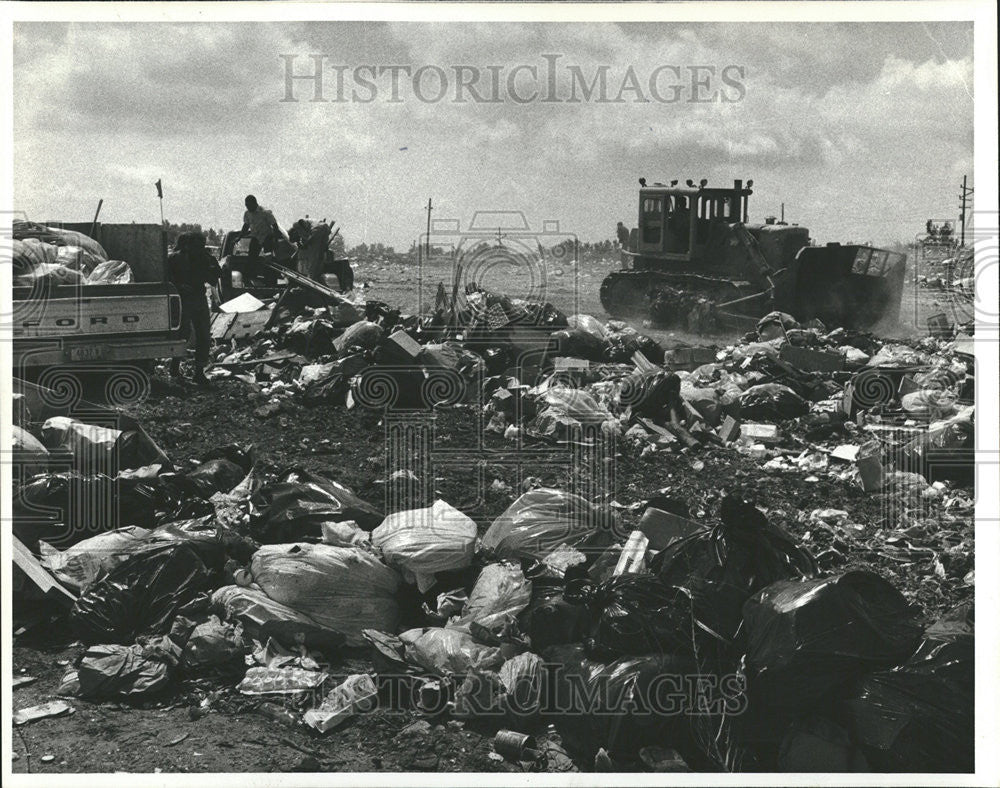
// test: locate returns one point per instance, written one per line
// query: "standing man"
(189, 269)
(622, 232)
(312, 239)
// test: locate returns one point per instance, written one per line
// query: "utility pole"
(782, 213)
(966, 191)
(428, 242)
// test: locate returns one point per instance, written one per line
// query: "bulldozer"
(695, 261)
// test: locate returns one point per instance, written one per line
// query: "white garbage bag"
(421, 542)
(448, 651)
(344, 589)
(500, 593)
(83, 563)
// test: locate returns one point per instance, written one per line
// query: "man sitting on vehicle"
(189, 269)
(259, 223)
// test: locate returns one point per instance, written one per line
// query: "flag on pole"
(159, 188)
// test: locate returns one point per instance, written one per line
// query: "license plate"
(90, 353)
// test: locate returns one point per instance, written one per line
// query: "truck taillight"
(175, 312)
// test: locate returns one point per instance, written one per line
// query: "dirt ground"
(205, 726)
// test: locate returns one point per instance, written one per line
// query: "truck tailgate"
(95, 310)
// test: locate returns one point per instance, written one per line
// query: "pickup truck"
(132, 323)
(260, 276)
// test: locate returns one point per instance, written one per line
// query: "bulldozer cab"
(694, 257)
(675, 223)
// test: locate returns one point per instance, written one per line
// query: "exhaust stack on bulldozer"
(695, 261)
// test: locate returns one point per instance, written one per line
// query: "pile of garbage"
(893, 419)
(953, 275)
(715, 644)
(839, 403)
(44, 255)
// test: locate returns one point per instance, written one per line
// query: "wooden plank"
(291, 275)
(37, 573)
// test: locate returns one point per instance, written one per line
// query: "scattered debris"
(55, 708)
(256, 578)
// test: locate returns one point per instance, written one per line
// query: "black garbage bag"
(775, 324)
(808, 640)
(550, 619)
(621, 706)
(297, 504)
(721, 567)
(577, 343)
(622, 345)
(947, 450)
(310, 336)
(136, 449)
(212, 476)
(542, 315)
(65, 508)
(639, 614)
(332, 387)
(89, 444)
(398, 388)
(817, 744)
(110, 670)
(214, 543)
(497, 359)
(654, 394)
(243, 455)
(920, 716)
(772, 402)
(140, 596)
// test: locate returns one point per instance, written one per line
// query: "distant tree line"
(379, 251)
(213, 237)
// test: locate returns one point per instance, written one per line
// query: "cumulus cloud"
(857, 125)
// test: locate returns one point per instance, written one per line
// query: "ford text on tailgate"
(95, 310)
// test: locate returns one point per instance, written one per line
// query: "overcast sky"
(864, 131)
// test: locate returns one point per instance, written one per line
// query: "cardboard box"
(401, 348)
(357, 693)
(242, 303)
(690, 358)
(729, 430)
(663, 528)
(570, 364)
(847, 452)
(238, 325)
(871, 472)
(761, 433)
(939, 326)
